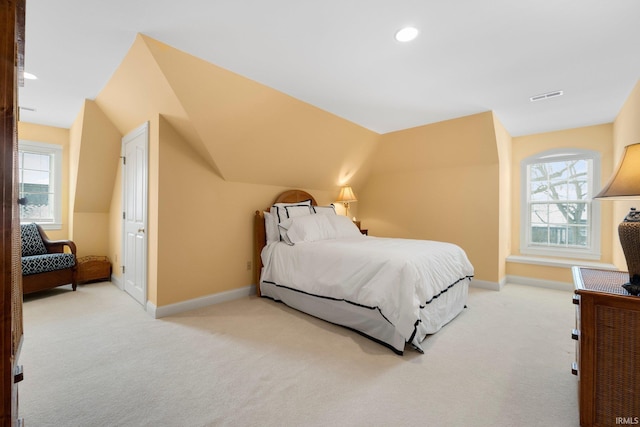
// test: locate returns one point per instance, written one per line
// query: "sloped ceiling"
(246, 131)
(97, 162)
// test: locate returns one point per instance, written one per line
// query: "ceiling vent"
(546, 96)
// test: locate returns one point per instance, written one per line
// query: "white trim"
(558, 262)
(540, 283)
(482, 284)
(560, 253)
(180, 307)
(117, 282)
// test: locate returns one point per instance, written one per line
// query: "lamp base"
(629, 232)
(632, 288)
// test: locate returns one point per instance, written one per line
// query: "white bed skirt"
(369, 321)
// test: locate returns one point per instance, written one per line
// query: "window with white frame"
(558, 216)
(40, 181)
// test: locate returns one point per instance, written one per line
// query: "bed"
(393, 291)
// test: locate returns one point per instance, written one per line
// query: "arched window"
(558, 216)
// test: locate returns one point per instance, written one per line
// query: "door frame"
(140, 130)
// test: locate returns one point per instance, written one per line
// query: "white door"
(134, 212)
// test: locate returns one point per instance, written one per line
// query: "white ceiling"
(340, 55)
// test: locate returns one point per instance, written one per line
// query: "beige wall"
(626, 130)
(597, 138)
(503, 143)
(204, 186)
(205, 224)
(439, 182)
(95, 153)
(58, 136)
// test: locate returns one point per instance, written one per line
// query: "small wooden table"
(608, 348)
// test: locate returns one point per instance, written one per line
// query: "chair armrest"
(55, 246)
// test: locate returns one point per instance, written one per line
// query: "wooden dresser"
(608, 348)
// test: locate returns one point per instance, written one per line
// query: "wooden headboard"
(260, 234)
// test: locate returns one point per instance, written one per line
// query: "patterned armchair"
(45, 265)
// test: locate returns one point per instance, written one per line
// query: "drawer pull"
(574, 368)
(575, 334)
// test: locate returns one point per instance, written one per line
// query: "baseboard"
(117, 282)
(180, 307)
(483, 284)
(540, 283)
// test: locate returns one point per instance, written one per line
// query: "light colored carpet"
(95, 358)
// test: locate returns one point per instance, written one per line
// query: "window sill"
(45, 225)
(557, 262)
(543, 252)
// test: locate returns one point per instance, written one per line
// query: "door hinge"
(123, 269)
(124, 160)
(123, 216)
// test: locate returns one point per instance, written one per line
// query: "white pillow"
(306, 229)
(297, 210)
(326, 210)
(343, 226)
(271, 227)
(279, 209)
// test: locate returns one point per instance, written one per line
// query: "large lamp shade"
(625, 181)
(624, 184)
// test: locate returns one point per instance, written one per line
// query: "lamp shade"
(346, 195)
(625, 181)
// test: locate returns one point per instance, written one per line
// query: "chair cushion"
(49, 262)
(32, 243)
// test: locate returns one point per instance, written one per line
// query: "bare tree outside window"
(559, 203)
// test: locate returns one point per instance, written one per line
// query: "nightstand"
(365, 231)
(608, 347)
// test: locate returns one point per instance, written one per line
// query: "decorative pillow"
(343, 226)
(326, 210)
(32, 243)
(307, 228)
(271, 227)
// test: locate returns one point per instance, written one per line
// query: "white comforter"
(397, 276)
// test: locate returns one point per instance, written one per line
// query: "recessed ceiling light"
(29, 76)
(407, 34)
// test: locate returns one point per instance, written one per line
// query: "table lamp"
(346, 196)
(625, 184)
